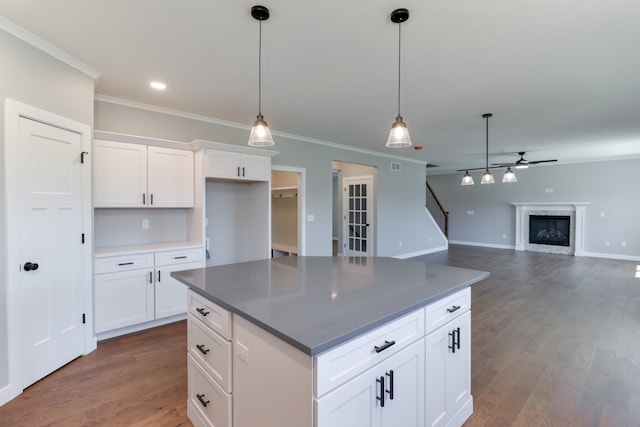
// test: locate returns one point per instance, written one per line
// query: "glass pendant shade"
(260, 133)
(399, 135)
(467, 179)
(509, 176)
(487, 178)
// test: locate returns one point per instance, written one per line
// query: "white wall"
(610, 187)
(32, 77)
(401, 195)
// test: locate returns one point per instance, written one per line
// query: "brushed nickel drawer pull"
(452, 309)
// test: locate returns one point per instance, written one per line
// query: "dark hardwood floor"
(555, 342)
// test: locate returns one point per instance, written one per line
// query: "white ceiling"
(562, 78)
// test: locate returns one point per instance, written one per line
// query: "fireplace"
(575, 227)
(550, 230)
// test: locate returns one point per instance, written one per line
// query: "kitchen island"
(329, 341)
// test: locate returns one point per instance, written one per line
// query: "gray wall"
(611, 188)
(35, 78)
(401, 198)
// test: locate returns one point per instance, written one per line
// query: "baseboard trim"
(484, 245)
(610, 256)
(425, 252)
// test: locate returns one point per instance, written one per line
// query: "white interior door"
(357, 216)
(50, 229)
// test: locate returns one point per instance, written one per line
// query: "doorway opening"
(288, 231)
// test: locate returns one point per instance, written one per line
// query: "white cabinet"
(448, 354)
(387, 395)
(209, 363)
(132, 289)
(237, 166)
(448, 372)
(123, 299)
(414, 371)
(135, 175)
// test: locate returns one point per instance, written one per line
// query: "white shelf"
(136, 249)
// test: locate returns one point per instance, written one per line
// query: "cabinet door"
(119, 174)
(448, 374)
(404, 387)
(170, 177)
(223, 164)
(123, 299)
(171, 295)
(354, 404)
(256, 168)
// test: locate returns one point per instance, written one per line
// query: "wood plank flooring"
(555, 342)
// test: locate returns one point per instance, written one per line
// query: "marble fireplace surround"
(575, 210)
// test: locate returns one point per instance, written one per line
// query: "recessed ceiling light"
(158, 85)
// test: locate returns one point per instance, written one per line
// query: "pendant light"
(467, 179)
(399, 135)
(509, 176)
(487, 178)
(260, 133)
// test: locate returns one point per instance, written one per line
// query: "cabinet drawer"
(344, 362)
(447, 309)
(206, 398)
(112, 264)
(179, 257)
(211, 350)
(211, 314)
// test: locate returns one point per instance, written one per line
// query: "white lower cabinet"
(389, 394)
(414, 371)
(209, 363)
(448, 373)
(133, 289)
(123, 299)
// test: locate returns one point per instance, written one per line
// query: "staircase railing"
(437, 211)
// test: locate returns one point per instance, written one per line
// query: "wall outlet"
(623, 244)
(504, 236)
(145, 224)
(601, 214)
(470, 212)
(242, 352)
(311, 218)
(399, 244)
(607, 243)
(548, 190)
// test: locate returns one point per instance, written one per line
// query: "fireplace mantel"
(577, 210)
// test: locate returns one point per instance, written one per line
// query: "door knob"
(28, 266)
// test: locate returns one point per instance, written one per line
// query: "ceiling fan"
(523, 163)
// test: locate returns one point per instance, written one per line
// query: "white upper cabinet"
(238, 166)
(119, 174)
(133, 175)
(170, 177)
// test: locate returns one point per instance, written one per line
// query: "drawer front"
(207, 398)
(112, 264)
(338, 365)
(211, 350)
(447, 309)
(211, 314)
(179, 257)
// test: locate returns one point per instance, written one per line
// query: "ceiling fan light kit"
(399, 135)
(260, 134)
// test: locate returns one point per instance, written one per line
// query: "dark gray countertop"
(316, 303)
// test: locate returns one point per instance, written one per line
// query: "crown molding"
(46, 47)
(185, 115)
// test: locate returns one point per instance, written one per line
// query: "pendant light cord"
(399, 48)
(260, 71)
(487, 145)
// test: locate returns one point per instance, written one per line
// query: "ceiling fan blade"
(503, 165)
(533, 162)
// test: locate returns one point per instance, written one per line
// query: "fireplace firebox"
(549, 230)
